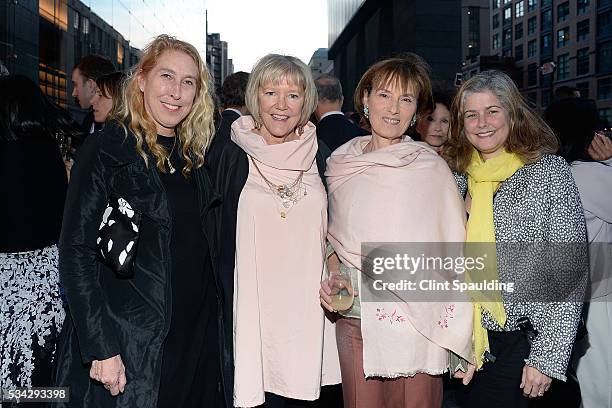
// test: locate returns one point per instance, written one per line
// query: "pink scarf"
(401, 193)
(281, 336)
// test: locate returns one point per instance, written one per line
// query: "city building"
(43, 39)
(552, 43)
(474, 28)
(363, 32)
(216, 59)
(319, 64)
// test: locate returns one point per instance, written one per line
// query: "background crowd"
(246, 208)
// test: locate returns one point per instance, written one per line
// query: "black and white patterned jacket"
(539, 203)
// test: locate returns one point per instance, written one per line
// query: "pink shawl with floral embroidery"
(401, 193)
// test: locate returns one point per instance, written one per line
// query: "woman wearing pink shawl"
(388, 188)
(272, 247)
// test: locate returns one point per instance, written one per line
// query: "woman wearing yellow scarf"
(516, 191)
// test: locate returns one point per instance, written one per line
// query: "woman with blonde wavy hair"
(148, 338)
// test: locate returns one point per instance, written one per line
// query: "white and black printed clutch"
(118, 236)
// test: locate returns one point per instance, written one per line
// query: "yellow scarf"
(483, 179)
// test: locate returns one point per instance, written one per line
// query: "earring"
(413, 121)
(366, 111)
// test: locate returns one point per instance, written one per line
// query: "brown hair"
(529, 137)
(403, 71)
(194, 132)
(109, 86)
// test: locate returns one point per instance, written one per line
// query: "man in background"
(333, 127)
(84, 75)
(231, 96)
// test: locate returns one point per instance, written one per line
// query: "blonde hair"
(529, 136)
(271, 69)
(403, 71)
(194, 132)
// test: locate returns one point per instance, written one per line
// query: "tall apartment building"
(574, 35)
(43, 39)
(366, 31)
(216, 59)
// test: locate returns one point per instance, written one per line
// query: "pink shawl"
(401, 193)
(280, 332)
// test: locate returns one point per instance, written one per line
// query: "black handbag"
(118, 236)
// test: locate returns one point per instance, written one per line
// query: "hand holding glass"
(342, 293)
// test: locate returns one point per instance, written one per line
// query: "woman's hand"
(600, 148)
(325, 295)
(534, 383)
(466, 377)
(111, 373)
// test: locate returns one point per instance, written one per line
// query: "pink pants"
(420, 391)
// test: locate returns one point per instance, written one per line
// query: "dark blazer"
(111, 315)
(223, 133)
(335, 130)
(229, 172)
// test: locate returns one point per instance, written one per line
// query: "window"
(531, 48)
(562, 67)
(562, 11)
(518, 31)
(532, 5)
(545, 99)
(76, 20)
(582, 61)
(507, 52)
(495, 41)
(604, 24)
(507, 14)
(532, 98)
(518, 52)
(581, 6)
(546, 19)
(604, 57)
(605, 115)
(532, 74)
(496, 4)
(546, 3)
(519, 10)
(495, 21)
(583, 88)
(604, 89)
(546, 44)
(85, 25)
(507, 1)
(562, 37)
(507, 39)
(532, 25)
(582, 30)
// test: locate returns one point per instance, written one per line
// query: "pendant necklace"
(171, 168)
(287, 194)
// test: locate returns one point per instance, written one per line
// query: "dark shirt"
(335, 130)
(33, 191)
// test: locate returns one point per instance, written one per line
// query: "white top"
(594, 181)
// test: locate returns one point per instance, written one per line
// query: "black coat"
(335, 130)
(229, 169)
(223, 133)
(111, 315)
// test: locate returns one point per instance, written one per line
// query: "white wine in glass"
(342, 293)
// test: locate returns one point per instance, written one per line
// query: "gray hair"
(272, 69)
(329, 88)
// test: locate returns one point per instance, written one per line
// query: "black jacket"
(223, 133)
(229, 169)
(111, 315)
(335, 130)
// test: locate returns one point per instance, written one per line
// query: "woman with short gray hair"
(274, 219)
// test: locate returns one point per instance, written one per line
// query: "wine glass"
(342, 293)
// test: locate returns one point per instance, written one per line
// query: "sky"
(254, 28)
